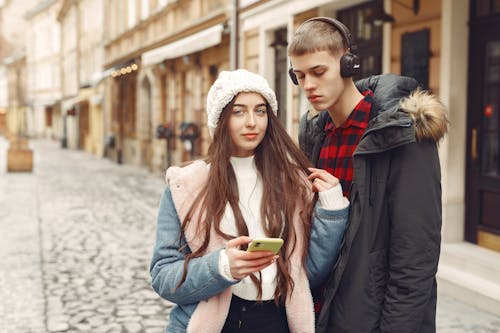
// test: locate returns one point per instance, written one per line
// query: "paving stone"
(131, 327)
(149, 310)
(54, 324)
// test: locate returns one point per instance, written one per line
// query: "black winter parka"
(384, 279)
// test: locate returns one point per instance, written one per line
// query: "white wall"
(453, 93)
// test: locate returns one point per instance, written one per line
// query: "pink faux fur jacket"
(210, 315)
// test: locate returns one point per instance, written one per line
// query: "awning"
(84, 94)
(190, 44)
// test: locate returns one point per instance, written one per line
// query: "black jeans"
(255, 317)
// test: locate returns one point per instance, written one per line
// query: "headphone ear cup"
(349, 65)
(293, 77)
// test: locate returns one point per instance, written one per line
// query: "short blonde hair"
(313, 36)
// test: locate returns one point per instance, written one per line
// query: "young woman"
(255, 182)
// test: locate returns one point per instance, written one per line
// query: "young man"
(379, 137)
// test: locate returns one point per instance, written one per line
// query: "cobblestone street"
(77, 236)
(76, 241)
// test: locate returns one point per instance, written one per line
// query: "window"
(366, 36)
(415, 56)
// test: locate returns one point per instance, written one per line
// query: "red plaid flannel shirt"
(340, 142)
(336, 154)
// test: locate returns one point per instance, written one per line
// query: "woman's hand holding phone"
(243, 263)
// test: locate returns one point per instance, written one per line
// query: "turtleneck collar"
(242, 164)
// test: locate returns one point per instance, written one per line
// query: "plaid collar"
(359, 117)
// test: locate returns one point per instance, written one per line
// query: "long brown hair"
(282, 166)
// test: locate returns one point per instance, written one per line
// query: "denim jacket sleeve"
(327, 232)
(203, 279)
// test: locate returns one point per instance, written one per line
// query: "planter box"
(19, 160)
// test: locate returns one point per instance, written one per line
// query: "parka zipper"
(341, 261)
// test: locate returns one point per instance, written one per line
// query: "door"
(483, 123)
(83, 125)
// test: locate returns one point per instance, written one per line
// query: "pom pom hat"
(228, 85)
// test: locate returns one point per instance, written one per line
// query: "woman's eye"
(261, 111)
(237, 112)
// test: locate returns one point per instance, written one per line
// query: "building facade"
(43, 70)
(73, 135)
(82, 79)
(91, 76)
(164, 55)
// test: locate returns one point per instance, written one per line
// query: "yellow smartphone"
(265, 244)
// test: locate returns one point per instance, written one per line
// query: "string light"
(124, 70)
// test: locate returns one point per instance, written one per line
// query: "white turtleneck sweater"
(250, 194)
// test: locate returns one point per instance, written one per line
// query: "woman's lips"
(250, 136)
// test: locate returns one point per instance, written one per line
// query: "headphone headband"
(344, 31)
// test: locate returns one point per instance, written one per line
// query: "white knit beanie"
(228, 85)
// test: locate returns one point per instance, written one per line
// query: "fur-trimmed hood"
(401, 113)
(428, 115)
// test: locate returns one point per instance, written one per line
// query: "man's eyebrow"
(309, 69)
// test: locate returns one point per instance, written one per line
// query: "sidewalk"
(77, 236)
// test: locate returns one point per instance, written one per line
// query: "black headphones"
(349, 62)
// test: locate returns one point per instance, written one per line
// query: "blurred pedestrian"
(255, 182)
(379, 138)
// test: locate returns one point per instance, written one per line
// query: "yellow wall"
(429, 17)
(251, 50)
